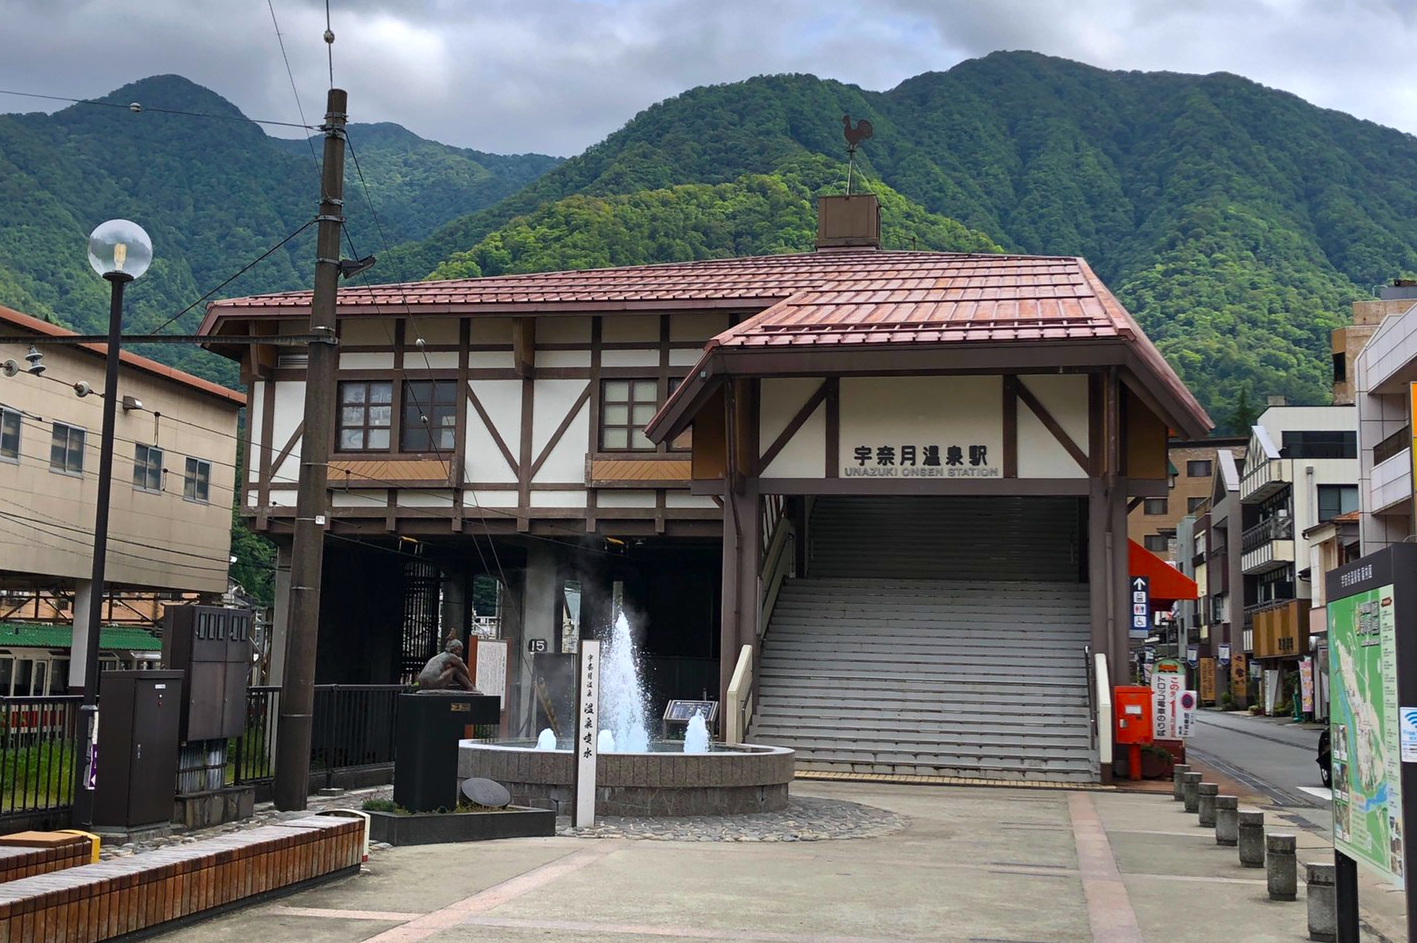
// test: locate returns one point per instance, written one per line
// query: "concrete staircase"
(914, 676)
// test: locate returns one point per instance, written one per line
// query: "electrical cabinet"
(212, 644)
(137, 747)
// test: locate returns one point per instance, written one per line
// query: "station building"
(874, 502)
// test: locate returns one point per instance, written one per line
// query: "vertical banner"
(588, 729)
(1239, 675)
(1168, 684)
(1306, 685)
(1207, 681)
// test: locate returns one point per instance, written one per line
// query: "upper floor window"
(365, 415)
(197, 484)
(1193, 504)
(66, 449)
(1154, 506)
(1156, 543)
(1337, 499)
(9, 434)
(626, 407)
(1198, 468)
(147, 468)
(437, 402)
(1327, 443)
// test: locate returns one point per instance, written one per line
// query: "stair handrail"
(738, 711)
(1103, 687)
(1088, 669)
(777, 566)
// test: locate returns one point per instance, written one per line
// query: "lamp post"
(120, 251)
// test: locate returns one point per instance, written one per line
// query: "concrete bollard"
(1178, 773)
(1250, 838)
(1323, 912)
(1280, 867)
(1227, 820)
(1189, 785)
(1205, 804)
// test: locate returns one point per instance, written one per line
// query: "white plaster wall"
(629, 327)
(289, 411)
(805, 454)
(495, 359)
(563, 358)
(1040, 454)
(554, 399)
(558, 499)
(685, 356)
(367, 361)
(921, 411)
(425, 499)
(563, 330)
(433, 330)
(610, 498)
(372, 332)
(696, 327)
(482, 459)
(1065, 398)
(629, 358)
(255, 416)
(781, 399)
(489, 499)
(491, 330)
(357, 499)
(430, 360)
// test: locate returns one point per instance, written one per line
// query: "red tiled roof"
(27, 323)
(834, 298)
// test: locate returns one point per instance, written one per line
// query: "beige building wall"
(157, 539)
(1155, 519)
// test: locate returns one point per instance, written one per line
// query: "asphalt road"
(1274, 759)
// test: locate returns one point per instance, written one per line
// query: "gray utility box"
(212, 644)
(137, 747)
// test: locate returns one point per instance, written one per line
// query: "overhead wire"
(165, 111)
(309, 139)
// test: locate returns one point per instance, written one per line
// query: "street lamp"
(120, 251)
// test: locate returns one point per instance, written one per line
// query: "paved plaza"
(985, 865)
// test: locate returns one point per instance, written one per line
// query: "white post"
(83, 599)
(588, 727)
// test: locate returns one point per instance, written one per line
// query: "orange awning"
(1168, 584)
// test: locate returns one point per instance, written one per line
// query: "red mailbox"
(1134, 723)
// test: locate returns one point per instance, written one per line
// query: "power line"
(165, 111)
(270, 4)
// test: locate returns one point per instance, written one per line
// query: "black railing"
(1393, 445)
(354, 725)
(1276, 528)
(39, 738)
(252, 755)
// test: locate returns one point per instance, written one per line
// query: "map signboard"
(1367, 773)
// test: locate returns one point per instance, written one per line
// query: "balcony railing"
(1276, 528)
(1394, 444)
(1262, 481)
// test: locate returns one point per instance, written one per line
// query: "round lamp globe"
(120, 247)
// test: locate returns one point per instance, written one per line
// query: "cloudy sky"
(558, 75)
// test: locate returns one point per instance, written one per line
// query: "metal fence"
(39, 738)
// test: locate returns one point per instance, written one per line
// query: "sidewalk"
(964, 864)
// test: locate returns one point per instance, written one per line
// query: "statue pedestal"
(426, 759)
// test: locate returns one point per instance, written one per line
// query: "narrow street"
(1275, 760)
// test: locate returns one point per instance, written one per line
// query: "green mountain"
(1235, 221)
(214, 193)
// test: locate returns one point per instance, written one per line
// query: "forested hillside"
(214, 193)
(1235, 221)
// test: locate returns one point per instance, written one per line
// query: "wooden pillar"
(1099, 523)
(742, 532)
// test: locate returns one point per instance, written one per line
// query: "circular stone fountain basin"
(728, 780)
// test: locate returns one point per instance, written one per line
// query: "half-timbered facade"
(847, 492)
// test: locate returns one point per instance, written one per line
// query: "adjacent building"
(174, 475)
(1153, 522)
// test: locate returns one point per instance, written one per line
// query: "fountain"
(696, 736)
(634, 774)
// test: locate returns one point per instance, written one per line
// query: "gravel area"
(804, 819)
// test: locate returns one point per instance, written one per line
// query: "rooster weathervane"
(854, 137)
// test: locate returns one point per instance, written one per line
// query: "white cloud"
(558, 75)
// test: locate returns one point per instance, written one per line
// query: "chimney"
(1276, 401)
(846, 221)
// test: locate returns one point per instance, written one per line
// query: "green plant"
(1152, 749)
(379, 805)
(1227, 700)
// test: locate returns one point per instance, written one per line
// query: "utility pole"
(297, 695)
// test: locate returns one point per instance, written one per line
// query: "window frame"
(438, 407)
(5, 413)
(1192, 462)
(1149, 503)
(143, 465)
(69, 450)
(1194, 503)
(364, 405)
(1339, 489)
(629, 426)
(192, 478)
(1148, 539)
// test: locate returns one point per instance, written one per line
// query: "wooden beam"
(1052, 426)
(796, 423)
(492, 428)
(524, 346)
(833, 436)
(555, 439)
(1011, 426)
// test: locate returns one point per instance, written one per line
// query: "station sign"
(1141, 606)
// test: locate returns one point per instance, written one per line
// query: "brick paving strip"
(1109, 908)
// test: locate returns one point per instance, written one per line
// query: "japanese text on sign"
(921, 461)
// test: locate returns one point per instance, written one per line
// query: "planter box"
(434, 828)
